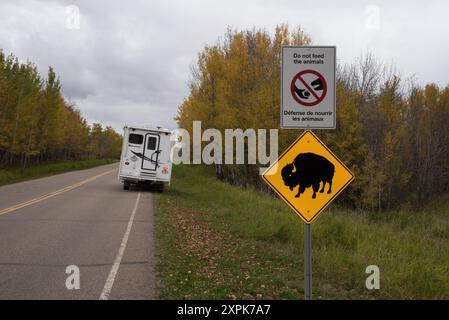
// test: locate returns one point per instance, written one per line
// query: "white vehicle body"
(145, 157)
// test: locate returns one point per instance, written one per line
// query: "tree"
(37, 123)
(395, 143)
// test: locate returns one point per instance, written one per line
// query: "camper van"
(145, 158)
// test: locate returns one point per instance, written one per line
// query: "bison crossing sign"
(308, 176)
(308, 87)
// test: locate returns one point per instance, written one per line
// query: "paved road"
(81, 218)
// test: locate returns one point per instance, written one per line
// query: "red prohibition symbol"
(317, 88)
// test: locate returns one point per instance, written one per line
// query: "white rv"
(145, 158)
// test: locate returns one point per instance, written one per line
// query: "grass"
(42, 170)
(218, 241)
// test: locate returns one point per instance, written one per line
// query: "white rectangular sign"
(308, 87)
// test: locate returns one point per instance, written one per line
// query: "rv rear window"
(151, 145)
(135, 138)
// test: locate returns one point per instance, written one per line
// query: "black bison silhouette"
(308, 170)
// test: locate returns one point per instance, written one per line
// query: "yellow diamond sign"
(308, 176)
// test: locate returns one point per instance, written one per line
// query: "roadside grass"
(218, 241)
(38, 171)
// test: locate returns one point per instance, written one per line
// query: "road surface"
(83, 219)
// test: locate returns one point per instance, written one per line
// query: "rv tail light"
(165, 169)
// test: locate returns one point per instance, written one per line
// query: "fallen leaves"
(223, 266)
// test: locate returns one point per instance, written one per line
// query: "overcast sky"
(128, 62)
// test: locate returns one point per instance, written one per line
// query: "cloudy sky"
(128, 61)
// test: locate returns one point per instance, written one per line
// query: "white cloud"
(130, 61)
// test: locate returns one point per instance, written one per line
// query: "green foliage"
(219, 241)
(37, 124)
(395, 141)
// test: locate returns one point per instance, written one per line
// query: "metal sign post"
(323, 177)
(308, 101)
(307, 262)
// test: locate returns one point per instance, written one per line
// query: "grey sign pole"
(307, 262)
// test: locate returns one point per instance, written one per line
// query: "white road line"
(118, 259)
